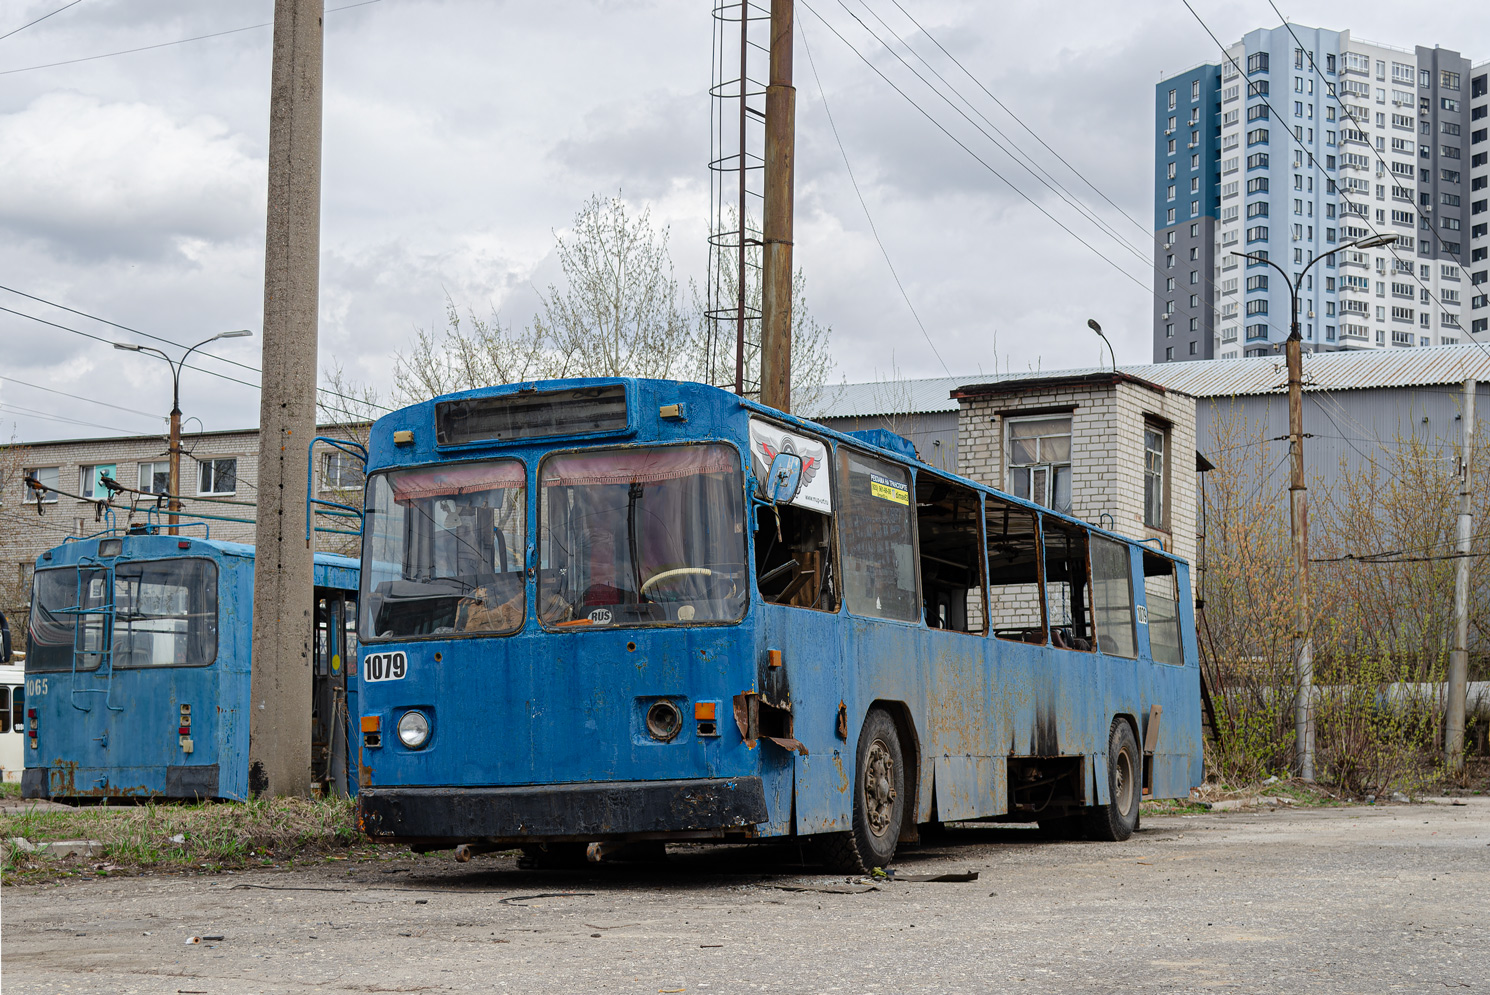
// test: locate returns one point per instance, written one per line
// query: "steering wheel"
(675, 572)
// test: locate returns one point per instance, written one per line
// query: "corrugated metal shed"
(1335, 371)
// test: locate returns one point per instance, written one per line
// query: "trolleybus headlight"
(664, 721)
(413, 729)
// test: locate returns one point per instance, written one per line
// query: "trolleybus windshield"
(445, 551)
(164, 614)
(641, 536)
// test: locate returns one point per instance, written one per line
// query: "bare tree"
(713, 352)
(618, 312)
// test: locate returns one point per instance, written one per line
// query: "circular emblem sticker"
(600, 616)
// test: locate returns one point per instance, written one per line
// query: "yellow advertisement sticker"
(888, 490)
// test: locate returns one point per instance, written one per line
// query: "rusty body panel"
(561, 706)
(133, 731)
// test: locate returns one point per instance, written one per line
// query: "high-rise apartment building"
(1298, 144)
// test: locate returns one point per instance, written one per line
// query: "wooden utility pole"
(1453, 732)
(280, 698)
(1298, 506)
(776, 296)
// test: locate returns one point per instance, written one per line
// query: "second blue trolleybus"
(609, 610)
(138, 666)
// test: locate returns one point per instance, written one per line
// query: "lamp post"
(1092, 324)
(1298, 506)
(175, 449)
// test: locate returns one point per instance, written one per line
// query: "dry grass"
(213, 837)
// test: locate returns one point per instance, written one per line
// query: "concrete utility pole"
(1298, 504)
(280, 699)
(781, 136)
(1453, 733)
(1298, 507)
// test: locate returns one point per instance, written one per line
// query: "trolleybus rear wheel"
(1117, 819)
(879, 800)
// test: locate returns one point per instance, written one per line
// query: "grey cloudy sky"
(459, 134)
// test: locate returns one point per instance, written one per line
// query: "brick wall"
(1107, 451)
(25, 535)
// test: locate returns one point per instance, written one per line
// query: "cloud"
(92, 180)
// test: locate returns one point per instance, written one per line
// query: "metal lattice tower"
(736, 182)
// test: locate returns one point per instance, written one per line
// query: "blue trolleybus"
(137, 669)
(618, 610)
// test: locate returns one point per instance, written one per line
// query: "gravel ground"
(1361, 899)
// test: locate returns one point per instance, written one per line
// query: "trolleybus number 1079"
(385, 667)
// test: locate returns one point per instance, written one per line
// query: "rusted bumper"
(594, 811)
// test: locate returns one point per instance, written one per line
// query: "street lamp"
(1092, 324)
(175, 495)
(1298, 501)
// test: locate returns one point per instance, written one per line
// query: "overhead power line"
(964, 146)
(1011, 148)
(164, 44)
(98, 338)
(78, 397)
(43, 17)
(1314, 163)
(873, 230)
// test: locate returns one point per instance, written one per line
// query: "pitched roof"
(1357, 370)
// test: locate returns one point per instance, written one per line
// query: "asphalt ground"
(1389, 898)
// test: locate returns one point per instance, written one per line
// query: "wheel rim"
(879, 788)
(1122, 781)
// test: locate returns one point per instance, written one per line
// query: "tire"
(1116, 820)
(879, 801)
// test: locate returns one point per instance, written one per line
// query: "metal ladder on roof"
(104, 612)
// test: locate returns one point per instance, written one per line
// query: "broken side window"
(1017, 611)
(1067, 584)
(949, 525)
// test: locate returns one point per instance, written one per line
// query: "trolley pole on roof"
(1453, 734)
(280, 684)
(776, 296)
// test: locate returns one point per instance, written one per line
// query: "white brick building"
(1110, 448)
(219, 473)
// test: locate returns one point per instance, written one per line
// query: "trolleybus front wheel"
(1116, 820)
(879, 800)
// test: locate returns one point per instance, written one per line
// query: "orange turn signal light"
(370, 723)
(773, 657)
(703, 711)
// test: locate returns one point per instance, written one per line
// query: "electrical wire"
(197, 369)
(31, 412)
(78, 397)
(858, 193)
(43, 17)
(164, 44)
(963, 145)
(1314, 162)
(1150, 264)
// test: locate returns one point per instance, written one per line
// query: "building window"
(1195, 89)
(218, 476)
(48, 477)
(1169, 352)
(1040, 461)
(155, 478)
(1257, 62)
(1154, 470)
(341, 472)
(1193, 347)
(90, 483)
(1172, 99)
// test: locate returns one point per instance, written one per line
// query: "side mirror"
(4, 639)
(784, 477)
